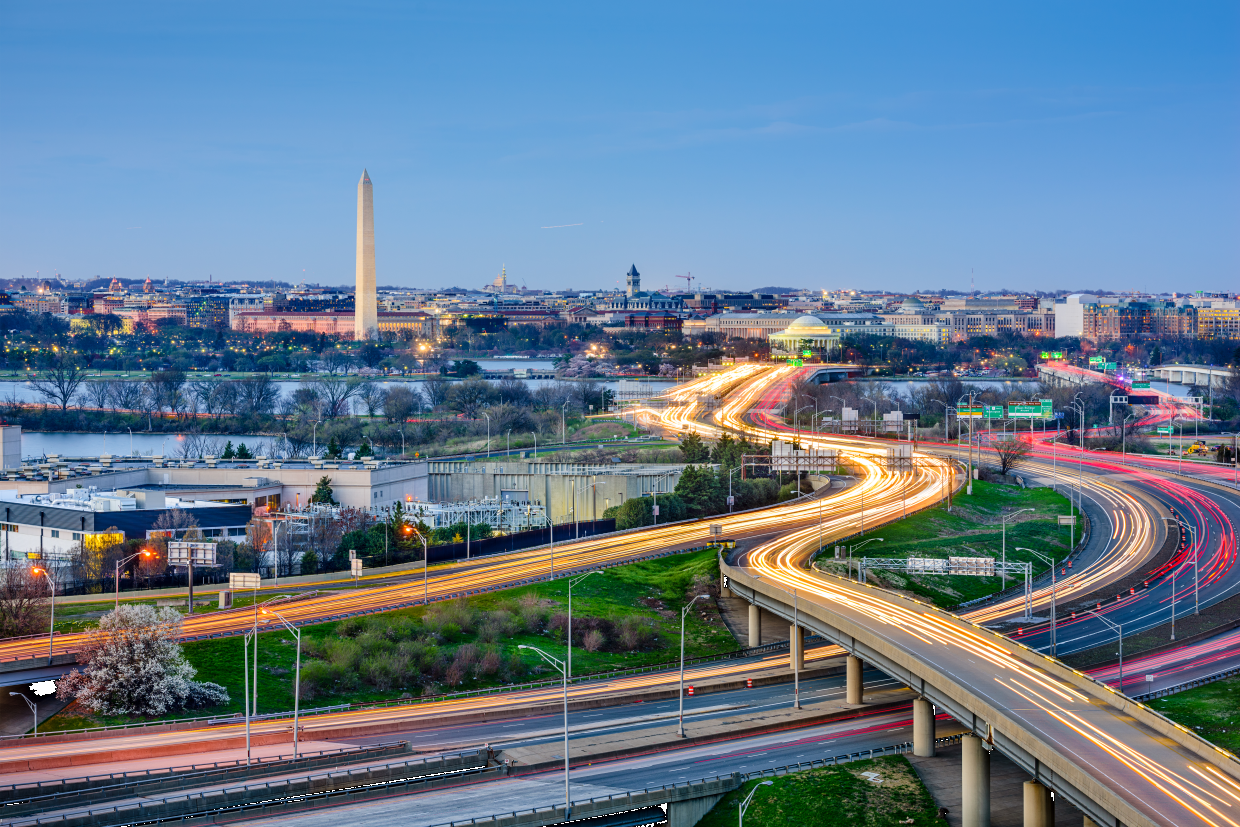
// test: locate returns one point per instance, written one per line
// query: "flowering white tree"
(133, 665)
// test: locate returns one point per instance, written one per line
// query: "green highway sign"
(1140, 386)
(1042, 409)
(1110, 366)
(797, 363)
(1057, 354)
(1045, 355)
(807, 353)
(1166, 431)
(975, 411)
(993, 411)
(1096, 360)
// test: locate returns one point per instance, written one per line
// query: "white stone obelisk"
(365, 300)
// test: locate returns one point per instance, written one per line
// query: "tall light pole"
(562, 668)
(1196, 568)
(1051, 561)
(314, 439)
(1004, 520)
(568, 661)
(946, 410)
(51, 629)
(426, 558)
(535, 433)
(117, 577)
(795, 651)
(730, 499)
(488, 416)
(1119, 628)
(34, 708)
(683, 613)
(296, 674)
(563, 423)
(745, 804)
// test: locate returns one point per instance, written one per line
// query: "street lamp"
(1051, 561)
(296, 674)
(851, 549)
(568, 661)
(1196, 568)
(488, 416)
(1119, 628)
(117, 577)
(426, 558)
(34, 708)
(683, 613)
(730, 499)
(51, 629)
(562, 668)
(745, 803)
(1003, 520)
(795, 651)
(535, 433)
(314, 439)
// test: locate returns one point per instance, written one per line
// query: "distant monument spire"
(365, 300)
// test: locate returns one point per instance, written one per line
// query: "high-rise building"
(365, 300)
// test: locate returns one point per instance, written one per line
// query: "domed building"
(805, 333)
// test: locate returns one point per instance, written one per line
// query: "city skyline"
(812, 147)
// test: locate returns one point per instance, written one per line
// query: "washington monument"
(365, 303)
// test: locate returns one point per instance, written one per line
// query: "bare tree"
(168, 389)
(1011, 453)
(436, 390)
(98, 394)
(24, 601)
(60, 382)
(337, 361)
(335, 392)
(372, 396)
(401, 402)
(127, 396)
(257, 395)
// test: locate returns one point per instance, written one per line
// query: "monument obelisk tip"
(365, 300)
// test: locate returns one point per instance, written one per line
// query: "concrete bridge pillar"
(796, 647)
(755, 625)
(1039, 805)
(974, 783)
(923, 728)
(854, 687)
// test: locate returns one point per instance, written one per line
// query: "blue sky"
(829, 145)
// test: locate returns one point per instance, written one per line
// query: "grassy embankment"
(393, 654)
(1212, 711)
(972, 529)
(834, 796)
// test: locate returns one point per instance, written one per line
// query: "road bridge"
(1118, 761)
(1203, 375)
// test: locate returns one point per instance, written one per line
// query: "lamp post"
(683, 613)
(296, 674)
(426, 558)
(117, 577)
(402, 441)
(730, 500)
(563, 425)
(795, 652)
(535, 433)
(562, 668)
(568, 661)
(488, 416)
(508, 437)
(1003, 520)
(314, 439)
(851, 549)
(34, 708)
(51, 629)
(946, 410)
(1119, 628)
(1051, 561)
(745, 804)
(1196, 568)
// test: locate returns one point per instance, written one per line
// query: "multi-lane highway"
(1169, 782)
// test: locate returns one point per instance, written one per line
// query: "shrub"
(594, 641)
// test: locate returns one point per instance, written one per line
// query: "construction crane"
(688, 282)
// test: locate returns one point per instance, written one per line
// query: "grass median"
(971, 529)
(843, 795)
(623, 617)
(1212, 711)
